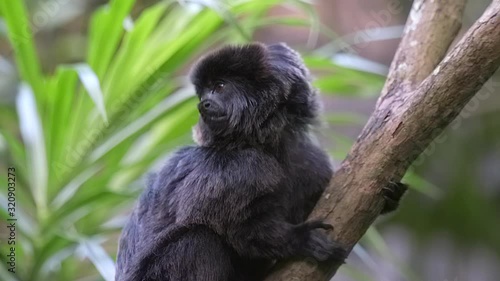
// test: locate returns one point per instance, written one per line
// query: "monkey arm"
(140, 232)
(271, 238)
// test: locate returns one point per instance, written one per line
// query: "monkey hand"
(318, 245)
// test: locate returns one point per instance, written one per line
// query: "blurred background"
(94, 94)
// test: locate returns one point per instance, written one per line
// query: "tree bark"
(422, 95)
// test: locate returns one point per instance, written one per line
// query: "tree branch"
(409, 115)
(430, 29)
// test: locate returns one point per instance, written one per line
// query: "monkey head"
(252, 94)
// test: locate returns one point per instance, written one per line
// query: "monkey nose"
(206, 104)
(210, 108)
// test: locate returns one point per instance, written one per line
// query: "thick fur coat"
(230, 206)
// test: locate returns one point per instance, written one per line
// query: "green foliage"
(81, 137)
(340, 80)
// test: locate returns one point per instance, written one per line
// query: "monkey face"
(233, 85)
(212, 105)
(222, 105)
(251, 93)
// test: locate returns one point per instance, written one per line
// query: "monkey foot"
(392, 194)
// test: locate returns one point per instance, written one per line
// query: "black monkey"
(225, 209)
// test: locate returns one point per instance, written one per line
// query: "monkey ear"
(283, 53)
(283, 47)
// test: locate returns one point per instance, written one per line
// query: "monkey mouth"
(213, 117)
(210, 111)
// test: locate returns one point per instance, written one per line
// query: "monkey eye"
(219, 86)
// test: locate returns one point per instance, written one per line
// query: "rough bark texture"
(430, 29)
(422, 95)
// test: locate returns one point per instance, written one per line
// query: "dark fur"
(225, 209)
(393, 193)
